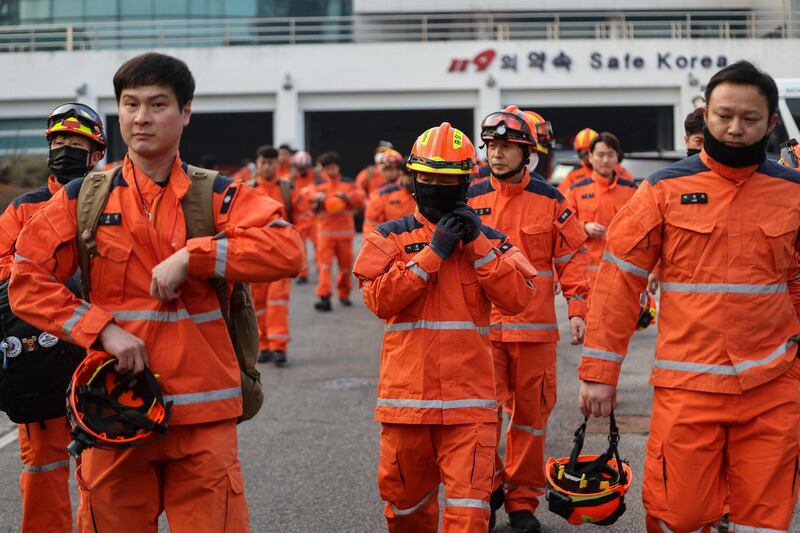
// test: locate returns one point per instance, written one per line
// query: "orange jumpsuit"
(370, 178)
(390, 202)
(44, 479)
(271, 300)
(193, 471)
(304, 218)
(537, 217)
(597, 199)
(436, 396)
(583, 172)
(726, 408)
(335, 231)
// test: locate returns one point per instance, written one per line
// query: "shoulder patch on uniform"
(564, 215)
(541, 187)
(582, 183)
(221, 183)
(685, 167)
(776, 170)
(401, 225)
(492, 233)
(388, 189)
(627, 183)
(227, 200)
(36, 196)
(73, 188)
(479, 189)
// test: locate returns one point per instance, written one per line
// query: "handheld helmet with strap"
(76, 119)
(647, 310)
(112, 410)
(790, 154)
(589, 489)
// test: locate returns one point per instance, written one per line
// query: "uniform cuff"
(599, 371)
(88, 329)
(577, 308)
(427, 260)
(202, 257)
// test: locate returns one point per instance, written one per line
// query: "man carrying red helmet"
(537, 217)
(38, 366)
(395, 198)
(302, 175)
(432, 277)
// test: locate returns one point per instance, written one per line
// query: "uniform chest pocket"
(108, 271)
(686, 241)
(538, 243)
(781, 235)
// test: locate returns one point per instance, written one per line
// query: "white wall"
(397, 76)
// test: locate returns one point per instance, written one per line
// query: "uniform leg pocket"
(654, 488)
(391, 482)
(482, 475)
(236, 515)
(85, 516)
(549, 390)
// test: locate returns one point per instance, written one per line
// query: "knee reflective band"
(589, 489)
(110, 410)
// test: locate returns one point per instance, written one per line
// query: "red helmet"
(76, 119)
(583, 139)
(589, 489)
(544, 132)
(647, 310)
(112, 410)
(443, 150)
(392, 158)
(511, 125)
(790, 154)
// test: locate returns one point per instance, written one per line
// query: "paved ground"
(310, 457)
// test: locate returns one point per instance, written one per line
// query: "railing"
(400, 28)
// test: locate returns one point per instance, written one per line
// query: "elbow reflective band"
(278, 223)
(729, 370)
(167, 316)
(729, 288)
(483, 260)
(565, 258)
(221, 262)
(69, 325)
(603, 354)
(413, 267)
(624, 265)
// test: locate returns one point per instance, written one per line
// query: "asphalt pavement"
(310, 457)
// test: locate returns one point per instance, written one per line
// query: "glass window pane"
(203, 9)
(240, 8)
(101, 9)
(172, 8)
(33, 11)
(68, 11)
(139, 9)
(23, 124)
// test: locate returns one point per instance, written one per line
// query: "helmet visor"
(502, 125)
(83, 113)
(465, 166)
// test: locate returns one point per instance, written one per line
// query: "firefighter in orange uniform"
(598, 198)
(77, 142)
(333, 198)
(284, 170)
(395, 199)
(432, 277)
(271, 300)
(303, 175)
(151, 304)
(583, 139)
(535, 215)
(726, 406)
(371, 178)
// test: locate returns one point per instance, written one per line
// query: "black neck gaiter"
(734, 156)
(692, 151)
(68, 163)
(435, 201)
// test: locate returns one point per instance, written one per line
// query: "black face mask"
(435, 201)
(692, 151)
(67, 163)
(733, 156)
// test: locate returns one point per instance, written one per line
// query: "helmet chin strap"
(512, 173)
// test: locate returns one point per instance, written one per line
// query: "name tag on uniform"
(415, 247)
(564, 216)
(484, 211)
(694, 198)
(587, 195)
(110, 219)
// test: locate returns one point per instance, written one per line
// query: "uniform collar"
(608, 183)
(730, 173)
(424, 221)
(53, 185)
(510, 189)
(178, 181)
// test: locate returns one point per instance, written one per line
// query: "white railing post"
(424, 28)
(688, 26)
(68, 45)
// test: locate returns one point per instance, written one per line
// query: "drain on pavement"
(349, 383)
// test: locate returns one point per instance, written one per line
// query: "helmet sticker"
(12, 347)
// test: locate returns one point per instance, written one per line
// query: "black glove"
(445, 238)
(471, 220)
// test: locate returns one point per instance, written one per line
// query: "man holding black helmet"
(37, 366)
(433, 276)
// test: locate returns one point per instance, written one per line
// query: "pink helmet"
(301, 159)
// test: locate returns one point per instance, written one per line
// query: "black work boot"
(301, 280)
(279, 357)
(265, 356)
(345, 301)
(524, 521)
(495, 502)
(324, 304)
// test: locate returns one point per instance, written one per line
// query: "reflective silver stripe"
(603, 354)
(577, 297)
(741, 528)
(278, 336)
(564, 258)
(277, 302)
(726, 370)
(529, 429)
(410, 510)
(69, 325)
(436, 325)
(202, 397)
(46, 468)
(167, 316)
(260, 312)
(20, 258)
(729, 288)
(413, 267)
(545, 273)
(436, 404)
(593, 267)
(278, 223)
(519, 326)
(221, 262)
(624, 265)
(466, 502)
(664, 527)
(485, 259)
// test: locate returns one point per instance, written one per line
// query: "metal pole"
(68, 45)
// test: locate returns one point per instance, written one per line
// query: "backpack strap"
(286, 192)
(198, 204)
(92, 199)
